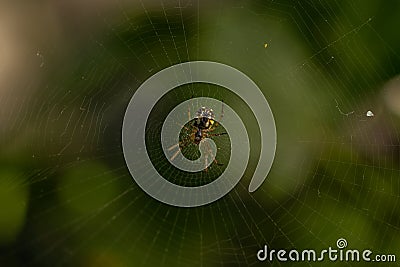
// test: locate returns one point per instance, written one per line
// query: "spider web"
(321, 65)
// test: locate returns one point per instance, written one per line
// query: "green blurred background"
(69, 68)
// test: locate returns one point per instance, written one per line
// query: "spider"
(200, 127)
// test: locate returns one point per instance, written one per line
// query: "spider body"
(201, 127)
(203, 122)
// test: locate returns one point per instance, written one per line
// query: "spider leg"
(221, 116)
(206, 163)
(210, 153)
(177, 152)
(216, 162)
(218, 134)
(175, 155)
(222, 112)
(207, 153)
(172, 147)
(189, 116)
(180, 145)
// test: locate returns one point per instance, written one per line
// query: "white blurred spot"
(370, 113)
(41, 58)
(392, 95)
